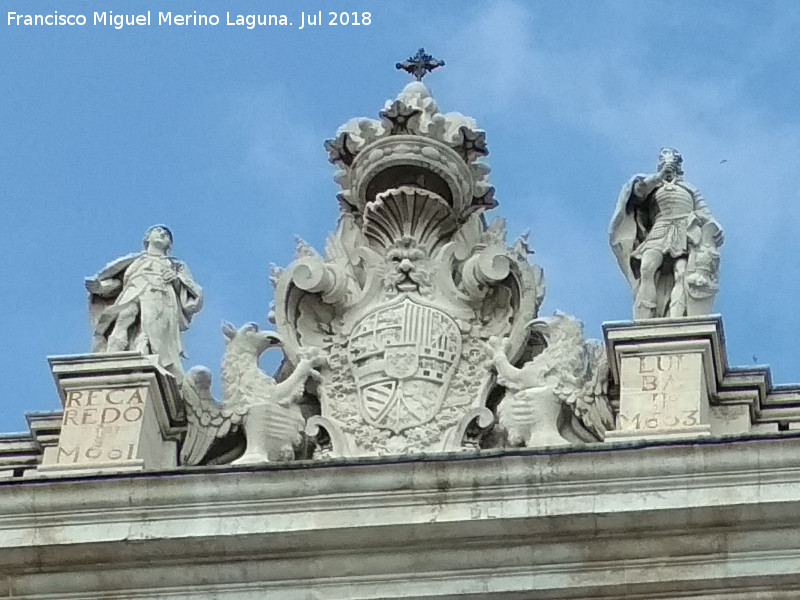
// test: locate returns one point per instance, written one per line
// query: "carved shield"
(403, 357)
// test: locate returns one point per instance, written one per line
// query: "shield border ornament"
(403, 395)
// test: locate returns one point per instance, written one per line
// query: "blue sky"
(218, 132)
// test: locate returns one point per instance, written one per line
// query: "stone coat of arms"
(411, 285)
(416, 329)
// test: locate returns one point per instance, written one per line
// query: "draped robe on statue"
(136, 283)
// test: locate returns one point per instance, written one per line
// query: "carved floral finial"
(420, 64)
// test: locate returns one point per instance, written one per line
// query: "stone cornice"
(594, 523)
(526, 484)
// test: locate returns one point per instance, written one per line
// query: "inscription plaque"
(662, 392)
(101, 425)
(668, 372)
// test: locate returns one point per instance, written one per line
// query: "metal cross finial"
(420, 64)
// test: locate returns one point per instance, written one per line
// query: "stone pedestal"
(122, 412)
(668, 371)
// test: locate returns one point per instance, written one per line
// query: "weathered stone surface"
(732, 419)
(699, 520)
(101, 424)
(121, 412)
(669, 373)
(662, 392)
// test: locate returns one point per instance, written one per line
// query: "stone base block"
(122, 412)
(667, 371)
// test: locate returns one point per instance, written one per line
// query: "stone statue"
(562, 389)
(143, 301)
(267, 411)
(666, 242)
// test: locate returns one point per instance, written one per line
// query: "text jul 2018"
(193, 19)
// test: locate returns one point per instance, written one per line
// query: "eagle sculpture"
(266, 411)
(565, 387)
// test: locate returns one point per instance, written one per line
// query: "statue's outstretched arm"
(643, 186)
(105, 288)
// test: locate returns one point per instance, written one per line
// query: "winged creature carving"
(564, 387)
(266, 411)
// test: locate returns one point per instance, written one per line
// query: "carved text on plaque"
(101, 425)
(658, 394)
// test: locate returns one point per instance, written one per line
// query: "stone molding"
(638, 520)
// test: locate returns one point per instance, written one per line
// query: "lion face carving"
(407, 268)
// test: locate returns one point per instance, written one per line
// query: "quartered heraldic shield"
(403, 357)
